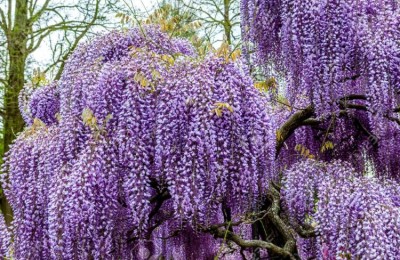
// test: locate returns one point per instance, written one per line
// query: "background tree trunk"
(13, 122)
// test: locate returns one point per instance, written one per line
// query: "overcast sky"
(43, 54)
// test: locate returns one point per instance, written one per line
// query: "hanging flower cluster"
(330, 49)
(42, 103)
(136, 118)
(341, 57)
(355, 216)
(5, 238)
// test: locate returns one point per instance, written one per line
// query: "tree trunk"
(227, 21)
(13, 122)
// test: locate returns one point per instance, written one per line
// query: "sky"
(43, 55)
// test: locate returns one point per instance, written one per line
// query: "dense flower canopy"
(355, 216)
(330, 49)
(341, 57)
(145, 148)
(5, 238)
(136, 112)
(340, 62)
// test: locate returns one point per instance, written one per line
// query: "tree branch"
(274, 216)
(303, 118)
(77, 41)
(287, 129)
(229, 235)
(3, 22)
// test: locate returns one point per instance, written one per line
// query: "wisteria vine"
(136, 113)
(354, 216)
(145, 148)
(338, 144)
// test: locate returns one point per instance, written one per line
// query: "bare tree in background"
(217, 17)
(220, 19)
(204, 22)
(24, 26)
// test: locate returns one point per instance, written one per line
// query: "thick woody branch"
(287, 129)
(358, 124)
(345, 105)
(274, 192)
(274, 216)
(231, 236)
(304, 233)
(303, 118)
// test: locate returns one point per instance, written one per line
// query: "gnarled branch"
(243, 243)
(304, 117)
(287, 129)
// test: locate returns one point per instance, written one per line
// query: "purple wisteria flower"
(133, 113)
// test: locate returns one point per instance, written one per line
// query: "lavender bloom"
(5, 238)
(138, 112)
(42, 103)
(355, 216)
(329, 49)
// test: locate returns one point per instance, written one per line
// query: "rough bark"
(13, 122)
(288, 128)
